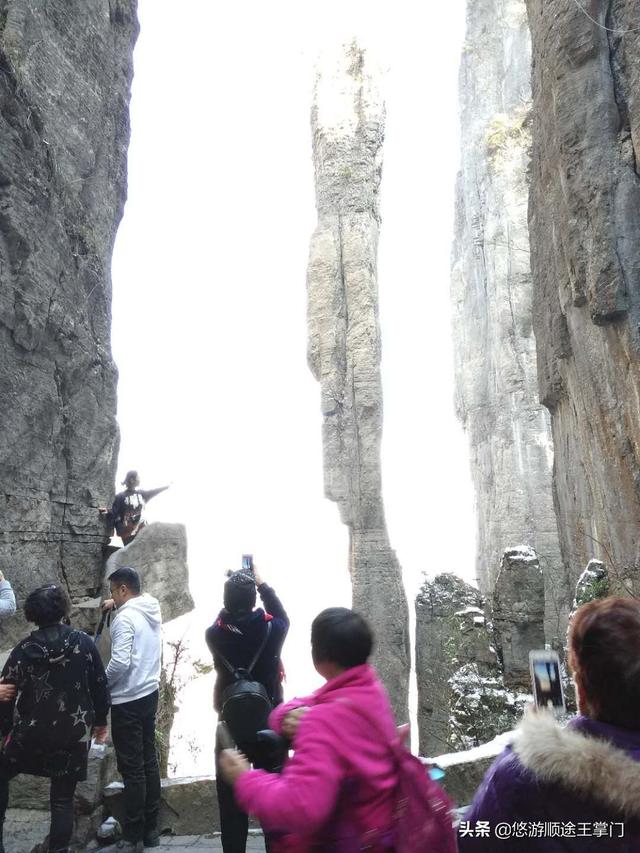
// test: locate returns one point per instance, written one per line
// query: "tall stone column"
(584, 222)
(65, 74)
(344, 343)
(494, 346)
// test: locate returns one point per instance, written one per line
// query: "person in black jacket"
(60, 699)
(237, 634)
(127, 511)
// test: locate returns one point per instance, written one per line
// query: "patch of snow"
(470, 610)
(486, 750)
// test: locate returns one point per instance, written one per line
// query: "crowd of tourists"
(327, 773)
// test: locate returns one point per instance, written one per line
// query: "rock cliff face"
(462, 698)
(65, 73)
(495, 352)
(159, 554)
(584, 222)
(517, 611)
(344, 343)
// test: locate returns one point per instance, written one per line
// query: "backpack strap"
(256, 657)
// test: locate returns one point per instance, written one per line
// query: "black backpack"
(245, 703)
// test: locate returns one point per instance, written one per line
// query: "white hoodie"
(136, 650)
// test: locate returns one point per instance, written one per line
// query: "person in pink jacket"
(336, 794)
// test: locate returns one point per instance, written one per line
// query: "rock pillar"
(344, 343)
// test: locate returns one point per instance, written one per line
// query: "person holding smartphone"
(237, 634)
(582, 774)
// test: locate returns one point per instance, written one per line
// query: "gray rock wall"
(65, 73)
(344, 343)
(462, 699)
(159, 554)
(518, 614)
(494, 346)
(444, 642)
(584, 222)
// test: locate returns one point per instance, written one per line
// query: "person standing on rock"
(134, 679)
(238, 634)
(54, 698)
(127, 511)
(7, 598)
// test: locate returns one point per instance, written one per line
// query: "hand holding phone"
(546, 680)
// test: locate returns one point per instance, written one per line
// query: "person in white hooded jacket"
(134, 677)
(7, 598)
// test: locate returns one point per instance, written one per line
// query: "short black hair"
(240, 593)
(341, 636)
(47, 605)
(128, 577)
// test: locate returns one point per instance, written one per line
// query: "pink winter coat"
(340, 783)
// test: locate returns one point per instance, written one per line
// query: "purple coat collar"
(624, 739)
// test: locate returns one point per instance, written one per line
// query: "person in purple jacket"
(572, 789)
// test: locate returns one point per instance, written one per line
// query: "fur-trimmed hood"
(595, 765)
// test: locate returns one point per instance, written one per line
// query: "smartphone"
(247, 562)
(223, 736)
(546, 680)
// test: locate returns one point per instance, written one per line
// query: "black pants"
(61, 802)
(133, 730)
(234, 823)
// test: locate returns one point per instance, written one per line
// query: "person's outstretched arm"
(7, 598)
(272, 603)
(147, 494)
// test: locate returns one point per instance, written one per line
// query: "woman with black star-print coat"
(61, 700)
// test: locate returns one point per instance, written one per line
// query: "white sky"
(209, 319)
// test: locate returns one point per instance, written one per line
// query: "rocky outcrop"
(65, 73)
(344, 343)
(518, 614)
(189, 805)
(495, 351)
(462, 699)
(464, 771)
(159, 554)
(592, 584)
(584, 223)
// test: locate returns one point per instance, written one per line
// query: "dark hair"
(604, 654)
(240, 593)
(127, 577)
(130, 475)
(341, 636)
(47, 605)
